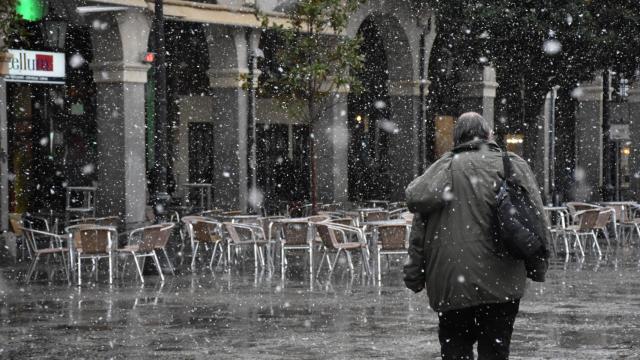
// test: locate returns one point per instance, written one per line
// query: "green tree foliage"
(9, 22)
(617, 24)
(537, 44)
(313, 59)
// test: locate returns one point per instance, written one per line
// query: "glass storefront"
(51, 120)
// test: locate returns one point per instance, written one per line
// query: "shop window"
(444, 134)
(515, 143)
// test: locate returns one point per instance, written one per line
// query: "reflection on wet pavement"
(585, 310)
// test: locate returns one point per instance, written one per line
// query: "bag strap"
(506, 163)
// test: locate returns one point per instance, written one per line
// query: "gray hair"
(470, 126)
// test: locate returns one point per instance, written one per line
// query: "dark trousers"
(490, 325)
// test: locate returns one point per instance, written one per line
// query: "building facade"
(95, 127)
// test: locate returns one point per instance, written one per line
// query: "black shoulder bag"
(518, 227)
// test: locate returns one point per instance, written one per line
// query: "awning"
(202, 13)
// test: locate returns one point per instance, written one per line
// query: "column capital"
(476, 89)
(228, 78)
(118, 71)
(404, 87)
(477, 82)
(590, 90)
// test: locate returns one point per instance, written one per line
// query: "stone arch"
(399, 32)
(454, 88)
(228, 52)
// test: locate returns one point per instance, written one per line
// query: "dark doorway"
(368, 118)
(36, 147)
(283, 164)
(273, 163)
(301, 172)
(187, 63)
(442, 101)
(201, 152)
(51, 128)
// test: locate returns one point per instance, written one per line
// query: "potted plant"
(8, 25)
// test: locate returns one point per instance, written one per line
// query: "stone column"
(634, 127)
(119, 41)
(478, 91)
(542, 172)
(588, 135)
(404, 96)
(4, 157)
(332, 148)
(228, 49)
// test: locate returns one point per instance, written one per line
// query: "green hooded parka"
(452, 251)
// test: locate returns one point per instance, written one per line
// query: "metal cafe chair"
(397, 213)
(37, 222)
(54, 248)
(103, 221)
(268, 223)
(80, 200)
(407, 216)
(558, 219)
(16, 224)
(342, 221)
(163, 241)
(174, 218)
(211, 212)
(295, 234)
(143, 243)
(384, 204)
(93, 242)
(113, 221)
(398, 205)
(392, 239)
(368, 216)
(625, 221)
(585, 228)
(604, 218)
(243, 219)
(269, 227)
(332, 207)
(316, 219)
(243, 235)
(330, 232)
(82, 220)
(297, 210)
(575, 207)
(150, 216)
(206, 231)
(331, 214)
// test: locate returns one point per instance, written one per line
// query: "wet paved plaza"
(585, 310)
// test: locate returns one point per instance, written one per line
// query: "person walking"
(473, 285)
